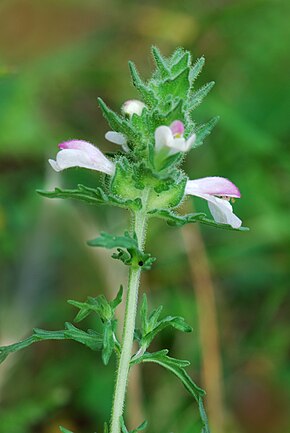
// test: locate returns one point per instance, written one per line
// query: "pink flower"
(171, 138)
(79, 153)
(210, 187)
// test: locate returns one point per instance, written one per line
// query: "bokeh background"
(56, 58)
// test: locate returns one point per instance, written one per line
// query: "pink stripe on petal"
(214, 186)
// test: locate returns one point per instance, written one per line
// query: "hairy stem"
(129, 324)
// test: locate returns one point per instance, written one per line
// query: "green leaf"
(146, 94)
(151, 326)
(205, 426)
(94, 196)
(179, 220)
(98, 305)
(198, 96)
(175, 86)
(179, 61)
(91, 339)
(108, 340)
(196, 69)
(64, 430)
(116, 122)
(124, 429)
(160, 63)
(204, 130)
(134, 256)
(176, 366)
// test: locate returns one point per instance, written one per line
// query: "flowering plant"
(144, 177)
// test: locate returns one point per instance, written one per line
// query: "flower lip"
(79, 153)
(177, 128)
(215, 185)
(133, 106)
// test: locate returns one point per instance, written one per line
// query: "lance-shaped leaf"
(160, 63)
(202, 131)
(175, 86)
(99, 305)
(94, 196)
(174, 219)
(91, 339)
(196, 69)
(132, 256)
(108, 340)
(124, 429)
(197, 97)
(151, 325)
(146, 93)
(176, 366)
(116, 122)
(179, 61)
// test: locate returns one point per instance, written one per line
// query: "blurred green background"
(56, 58)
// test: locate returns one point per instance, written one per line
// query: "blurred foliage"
(56, 58)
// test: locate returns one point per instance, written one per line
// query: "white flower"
(210, 187)
(79, 153)
(133, 106)
(171, 138)
(117, 138)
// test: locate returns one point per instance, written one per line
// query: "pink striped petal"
(79, 153)
(214, 186)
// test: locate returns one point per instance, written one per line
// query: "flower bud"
(132, 106)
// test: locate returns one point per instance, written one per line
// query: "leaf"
(124, 429)
(64, 430)
(116, 122)
(175, 86)
(151, 326)
(94, 196)
(108, 340)
(176, 366)
(134, 256)
(198, 96)
(196, 69)
(180, 220)
(146, 93)
(98, 305)
(90, 339)
(160, 63)
(203, 417)
(202, 131)
(179, 61)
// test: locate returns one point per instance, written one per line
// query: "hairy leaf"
(176, 366)
(174, 219)
(95, 196)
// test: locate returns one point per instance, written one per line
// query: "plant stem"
(140, 220)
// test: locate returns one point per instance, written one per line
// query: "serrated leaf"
(180, 61)
(202, 131)
(198, 96)
(146, 93)
(175, 86)
(90, 339)
(116, 122)
(196, 69)
(151, 326)
(133, 256)
(144, 313)
(160, 63)
(108, 340)
(180, 220)
(94, 196)
(176, 366)
(93, 340)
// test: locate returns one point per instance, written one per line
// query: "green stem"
(140, 220)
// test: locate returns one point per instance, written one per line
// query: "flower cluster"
(169, 140)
